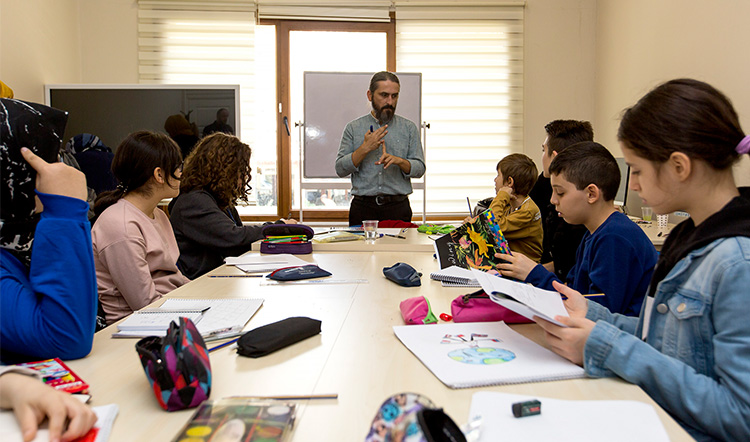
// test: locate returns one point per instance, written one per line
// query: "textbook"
(473, 244)
(213, 318)
(476, 354)
(455, 276)
(235, 419)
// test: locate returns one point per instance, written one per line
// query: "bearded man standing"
(382, 151)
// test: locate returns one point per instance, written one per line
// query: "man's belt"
(381, 200)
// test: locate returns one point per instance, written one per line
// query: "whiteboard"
(332, 100)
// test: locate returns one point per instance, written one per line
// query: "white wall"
(109, 41)
(559, 66)
(39, 43)
(641, 43)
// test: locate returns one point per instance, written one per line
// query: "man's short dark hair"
(564, 133)
(588, 163)
(522, 169)
(382, 76)
(219, 111)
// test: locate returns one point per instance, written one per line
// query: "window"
(472, 96)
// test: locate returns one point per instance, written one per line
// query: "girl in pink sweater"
(135, 251)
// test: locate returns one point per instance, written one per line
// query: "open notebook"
(212, 317)
(474, 354)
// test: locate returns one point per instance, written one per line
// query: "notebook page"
(155, 321)
(526, 299)
(224, 316)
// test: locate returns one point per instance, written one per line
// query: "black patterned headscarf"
(39, 128)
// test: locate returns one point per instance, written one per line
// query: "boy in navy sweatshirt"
(615, 257)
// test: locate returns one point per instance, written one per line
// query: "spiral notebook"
(212, 317)
(455, 276)
(475, 354)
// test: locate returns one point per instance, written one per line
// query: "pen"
(590, 295)
(221, 337)
(471, 213)
(223, 345)
(371, 128)
(394, 236)
(290, 398)
(236, 276)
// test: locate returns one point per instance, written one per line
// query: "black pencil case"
(269, 338)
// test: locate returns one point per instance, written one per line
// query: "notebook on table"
(212, 317)
(475, 354)
(455, 276)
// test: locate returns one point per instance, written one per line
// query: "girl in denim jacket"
(690, 347)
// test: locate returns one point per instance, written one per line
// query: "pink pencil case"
(417, 310)
(478, 307)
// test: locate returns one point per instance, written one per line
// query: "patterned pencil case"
(177, 366)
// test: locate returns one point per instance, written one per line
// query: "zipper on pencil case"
(479, 294)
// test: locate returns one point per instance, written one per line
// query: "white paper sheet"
(561, 420)
(11, 432)
(264, 263)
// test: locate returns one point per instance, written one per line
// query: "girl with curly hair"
(204, 218)
(135, 251)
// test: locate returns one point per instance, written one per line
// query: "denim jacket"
(695, 362)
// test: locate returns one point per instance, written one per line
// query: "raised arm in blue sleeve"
(49, 310)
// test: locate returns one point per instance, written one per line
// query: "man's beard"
(384, 114)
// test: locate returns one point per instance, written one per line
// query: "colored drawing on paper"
(482, 355)
(472, 352)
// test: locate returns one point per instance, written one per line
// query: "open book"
(212, 317)
(455, 276)
(524, 299)
(472, 244)
(474, 354)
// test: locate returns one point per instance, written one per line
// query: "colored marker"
(371, 128)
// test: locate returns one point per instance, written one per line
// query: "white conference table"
(356, 356)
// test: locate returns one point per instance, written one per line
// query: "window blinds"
(471, 60)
